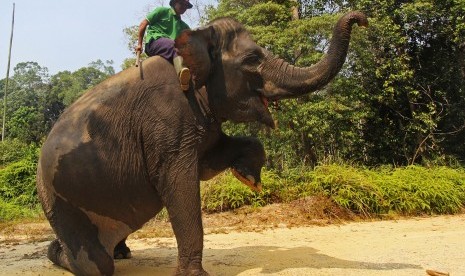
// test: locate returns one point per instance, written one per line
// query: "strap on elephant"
(202, 99)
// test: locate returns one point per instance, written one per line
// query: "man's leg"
(183, 72)
(164, 47)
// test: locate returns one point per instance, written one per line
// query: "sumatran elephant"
(132, 145)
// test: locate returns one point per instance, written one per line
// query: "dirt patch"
(303, 212)
(37, 231)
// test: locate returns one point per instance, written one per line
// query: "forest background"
(386, 136)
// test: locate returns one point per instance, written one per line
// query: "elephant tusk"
(248, 181)
(251, 178)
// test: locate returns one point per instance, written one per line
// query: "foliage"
(225, 193)
(68, 86)
(15, 150)
(10, 211)
(412, 190)
(22, 122)
(18, 195)
(409, 190)
(35, 99)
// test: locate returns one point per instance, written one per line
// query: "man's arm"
(143, 25)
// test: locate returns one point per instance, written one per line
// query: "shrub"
(351, 188)
(416, 190)
(17, 183)
(15, 150)
(18, 195)
(10, 211)
(412, 190)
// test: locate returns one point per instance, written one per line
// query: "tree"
(68, 86)
(417, 82)
(36, 100)
(25, 124)
(29, 85)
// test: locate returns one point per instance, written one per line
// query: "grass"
(412, 190)
(10, 211)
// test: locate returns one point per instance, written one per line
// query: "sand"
(400, 247)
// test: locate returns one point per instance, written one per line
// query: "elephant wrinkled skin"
(130, 146)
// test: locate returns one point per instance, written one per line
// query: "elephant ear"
(196, 48)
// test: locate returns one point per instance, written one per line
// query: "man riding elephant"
(163, 25)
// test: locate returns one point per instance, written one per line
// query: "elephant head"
(241, 77)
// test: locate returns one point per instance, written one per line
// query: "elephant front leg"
(183, 205)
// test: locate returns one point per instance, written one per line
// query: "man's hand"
(138, 48)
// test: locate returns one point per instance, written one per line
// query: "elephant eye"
(251, 59)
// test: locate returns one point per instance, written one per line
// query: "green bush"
(224, 193)
(412, 190)
(350, 188)
(17, 183)
(416, 190)
(15, 150)
(10, 211)
(18, 195)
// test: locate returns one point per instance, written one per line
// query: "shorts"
(163, 47)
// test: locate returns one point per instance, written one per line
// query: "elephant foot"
(55, 252)
(57, 256)
(193, 272)
(122, 251)
(191, 267)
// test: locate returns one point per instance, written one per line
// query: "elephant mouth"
(264, 101)
(267, 118)
(247, 180)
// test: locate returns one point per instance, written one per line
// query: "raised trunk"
(282, 80)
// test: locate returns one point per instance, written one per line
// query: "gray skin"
(130, 146)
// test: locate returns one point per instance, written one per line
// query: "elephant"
(130, 146)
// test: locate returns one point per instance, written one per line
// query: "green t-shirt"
(163, 22)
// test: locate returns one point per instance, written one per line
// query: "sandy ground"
(402, 247)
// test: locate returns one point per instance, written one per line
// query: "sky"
(69, 34)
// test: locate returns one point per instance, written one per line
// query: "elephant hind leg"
(78, 247)
(56, 255)
(59, 255)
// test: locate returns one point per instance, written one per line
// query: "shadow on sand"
(262, 259)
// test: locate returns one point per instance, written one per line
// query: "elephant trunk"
(282, 80)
